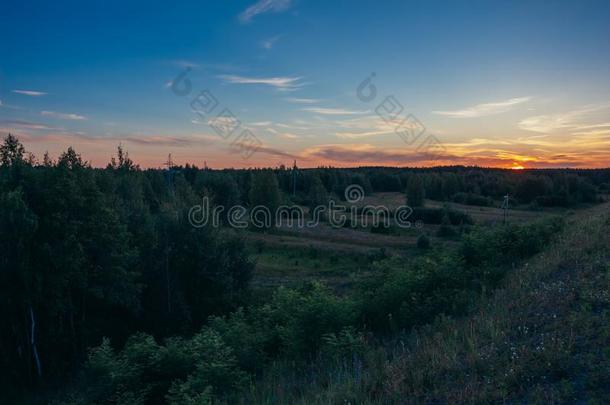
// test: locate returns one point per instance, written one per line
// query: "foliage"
(197, 369)
(438, 215)
(423, 241)
(415, 191)
(88, 253)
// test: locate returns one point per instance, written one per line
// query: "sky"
(519, 84)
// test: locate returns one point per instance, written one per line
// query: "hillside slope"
(544, 337)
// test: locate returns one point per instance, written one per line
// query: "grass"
(286, 258)
(287, 266)
(544, 337)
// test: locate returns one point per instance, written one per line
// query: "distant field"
(290, 255)
(481, 215)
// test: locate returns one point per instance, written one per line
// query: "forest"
(110, 295)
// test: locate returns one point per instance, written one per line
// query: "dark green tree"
(415, 191)
(264, 191)
(11, 151)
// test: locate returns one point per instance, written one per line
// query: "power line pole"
(170, 172)
(505, 207)
(294, 178)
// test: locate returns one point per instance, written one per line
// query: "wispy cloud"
(300, 125)
(298, 100)
(548, 123)
(289, 135)
(163, 140)
(333, 111)
(30, 93)
(281, 83)
(27, 125)
(63, 116)
(112, 140)
(264, 6)
(363, 126)
(368, 154)
(568, 120)
(481, 110)
(593, 133)
(237, 148)
(363, 134)
(269, 42)
(260, 123)
(604, 125)
(220, 122)
(183, 63)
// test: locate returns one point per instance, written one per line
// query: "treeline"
(466, 185)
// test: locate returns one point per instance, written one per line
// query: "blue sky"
(509, 84)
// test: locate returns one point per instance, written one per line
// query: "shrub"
(511, 241)
(381, 229)
(435, 216)
(343, 344)
(445, 230)
(423, 242)
(302, 316)
(472, 199)
(377, 255)
(203, 367)
(216, 374)
(403, 296)
(248, 335)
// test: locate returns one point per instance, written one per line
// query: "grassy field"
(290, 255)
(543, 337)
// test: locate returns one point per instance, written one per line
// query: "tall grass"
(544, 336)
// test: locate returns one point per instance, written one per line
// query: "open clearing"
(292, 254)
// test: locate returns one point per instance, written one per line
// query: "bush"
(248, 334)
(435, 216)
(445, 230)
(408, 295)
(472, 199)
(423, 242)
(202, 367)
(343, 344)
(511, 241)
(377, 255)
(216, 373)
(381, 229)
(302, 316)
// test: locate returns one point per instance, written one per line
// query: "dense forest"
(110, 295)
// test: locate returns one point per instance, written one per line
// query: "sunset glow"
(518, 87)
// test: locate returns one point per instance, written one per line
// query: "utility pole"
(505, 207)
(169, 173)
(294, 178)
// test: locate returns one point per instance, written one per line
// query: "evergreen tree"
(264, 190)
(11, 151)
(318, 196)
(415, 191)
